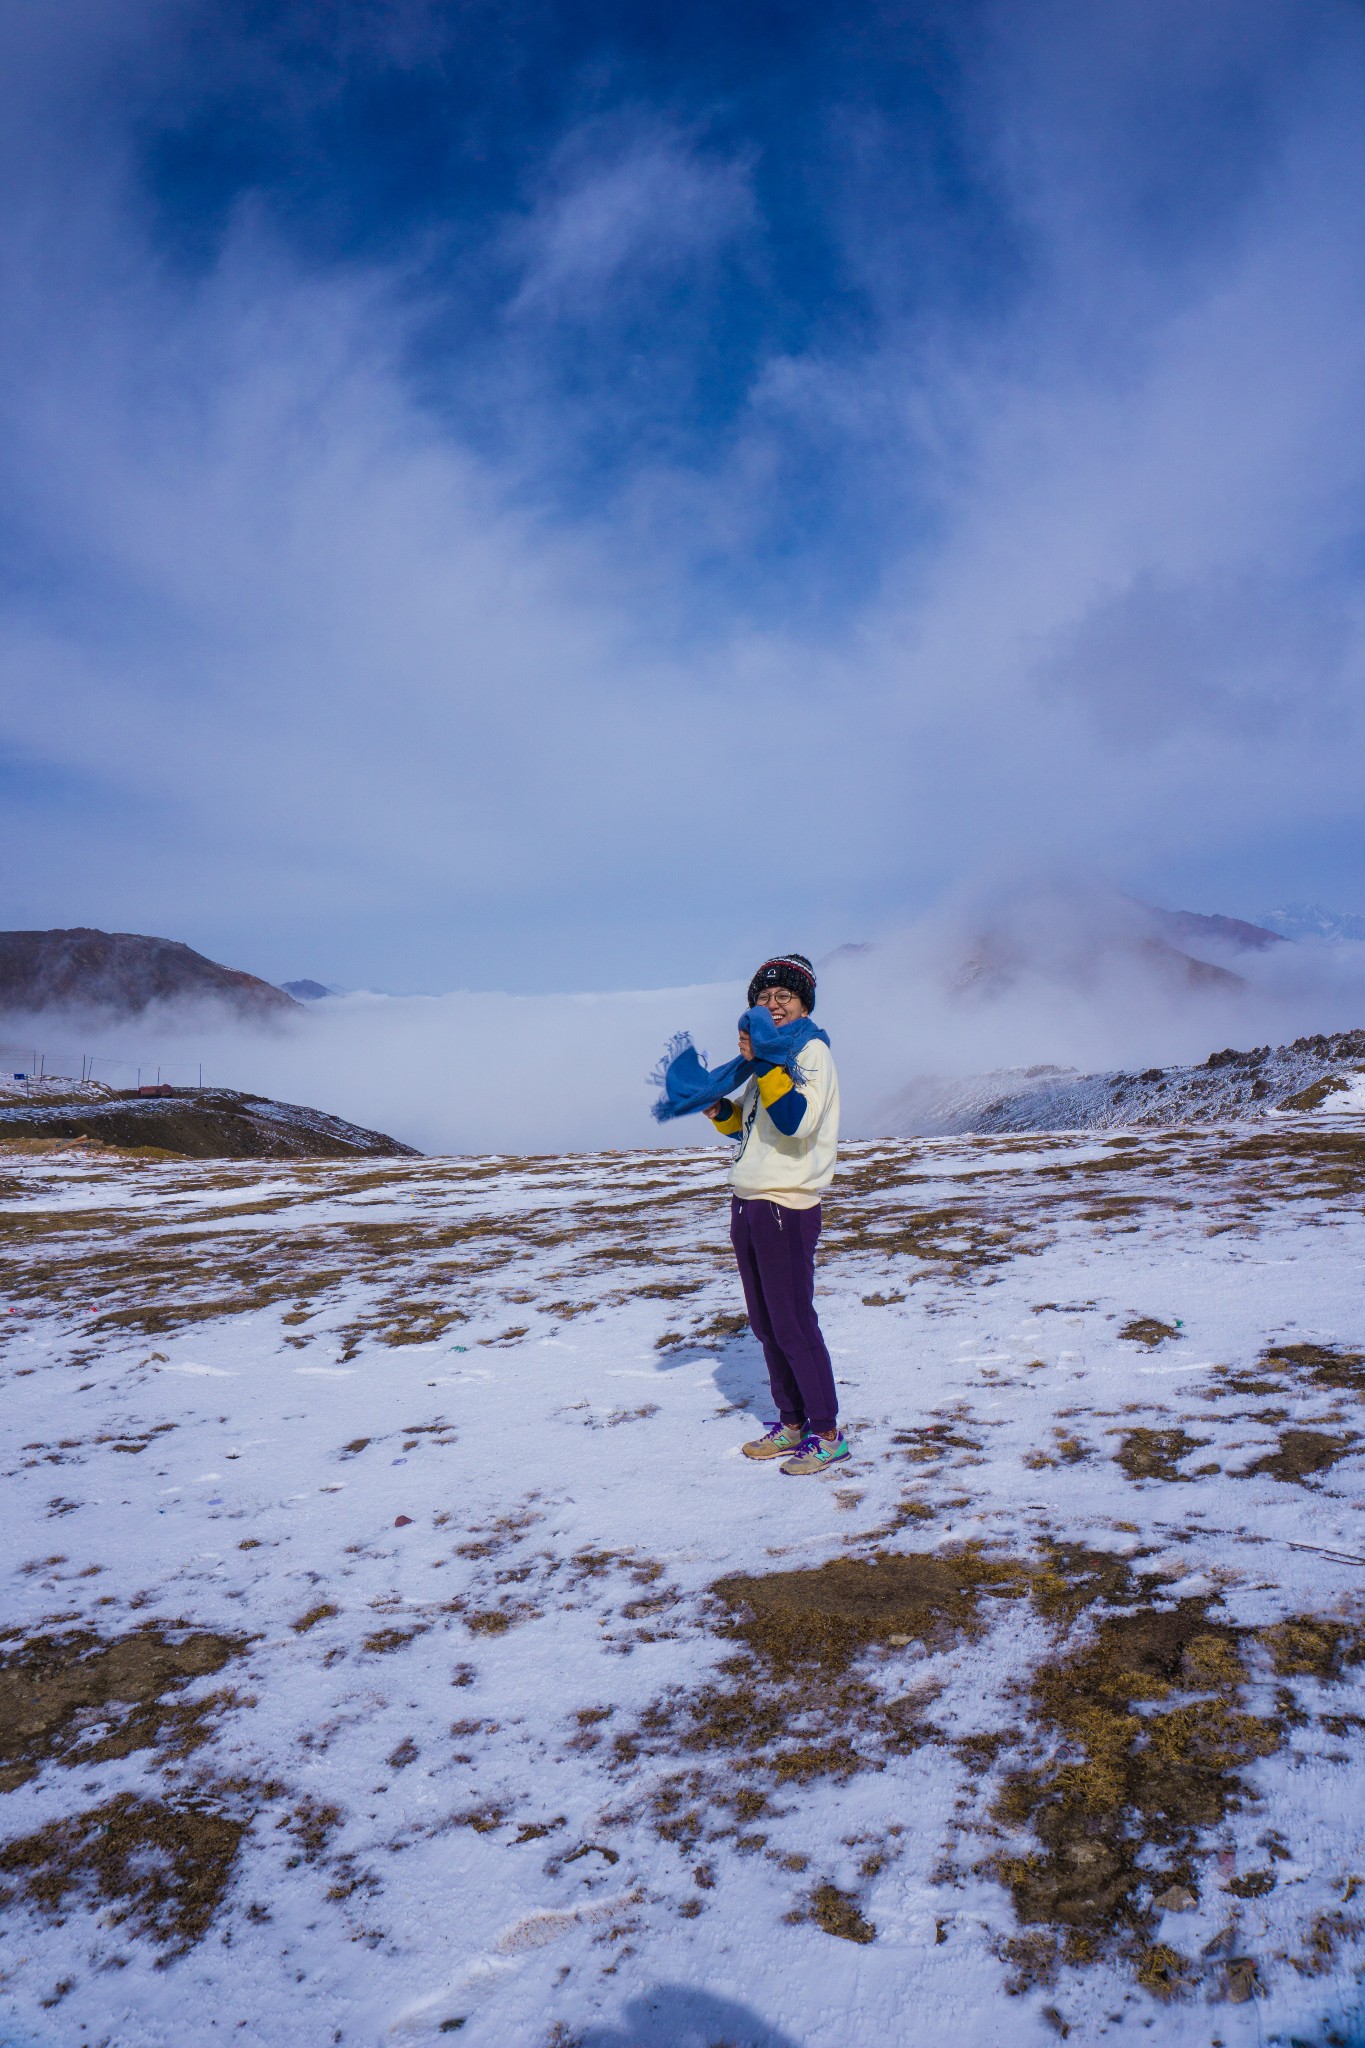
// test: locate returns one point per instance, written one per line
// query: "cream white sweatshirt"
(795, 1171)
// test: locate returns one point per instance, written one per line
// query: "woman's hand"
(746, 1046)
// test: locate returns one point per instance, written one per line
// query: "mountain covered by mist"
(1323, 1072)
(123, 974)
(1195, 931)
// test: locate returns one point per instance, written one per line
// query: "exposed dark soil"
(81, 1698)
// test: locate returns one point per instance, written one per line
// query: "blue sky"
(574, 497)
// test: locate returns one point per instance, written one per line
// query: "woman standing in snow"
(786, 1122)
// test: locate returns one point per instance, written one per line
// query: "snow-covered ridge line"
(1324, 1073)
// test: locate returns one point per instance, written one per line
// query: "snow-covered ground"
(15, 1087)
(363, 1680)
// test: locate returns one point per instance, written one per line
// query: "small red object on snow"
(401, 1521)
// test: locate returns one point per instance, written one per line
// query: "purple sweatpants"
(775, 1253)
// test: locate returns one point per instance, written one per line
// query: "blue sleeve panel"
(788, 1111)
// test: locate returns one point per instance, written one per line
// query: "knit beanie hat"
(790, 971)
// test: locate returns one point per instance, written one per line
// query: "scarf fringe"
(680, 1042)
(689, 1085)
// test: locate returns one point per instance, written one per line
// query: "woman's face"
(782, 1004)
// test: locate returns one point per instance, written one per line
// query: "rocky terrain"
(1325, 1071)
(122, 974)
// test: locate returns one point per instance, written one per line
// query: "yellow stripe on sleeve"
(773, 1085)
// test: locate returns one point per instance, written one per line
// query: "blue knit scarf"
(689, 1084)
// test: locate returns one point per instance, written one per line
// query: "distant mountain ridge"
(1192, 928)
(123, 974)
(1311, 921)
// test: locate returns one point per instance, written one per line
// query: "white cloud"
(617, 212)
(320, 687)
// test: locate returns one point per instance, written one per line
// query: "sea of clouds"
(1003, 981)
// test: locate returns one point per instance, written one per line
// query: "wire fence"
(42, 1070)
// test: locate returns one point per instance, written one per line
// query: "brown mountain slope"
(123, 973)
(1191, 929)
(202, 1123)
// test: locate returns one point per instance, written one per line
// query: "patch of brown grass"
(825, 1616)
(839, 1913)
(1148, 1330)
(1316, 1093)
(58, 1692)
(1322, 1365)
(163, 1868)
(322, 1612)
(1310, 1646)
(382, 1642)
(1113, 1781)
(931, 1440)
(1302, 1455)
(1156, 1453)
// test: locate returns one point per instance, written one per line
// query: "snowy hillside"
(1325, 1072)
(399, 1647)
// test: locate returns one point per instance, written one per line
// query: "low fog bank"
(1045, 981)
(455, 1073)
(1093, 993)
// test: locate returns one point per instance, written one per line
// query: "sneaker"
(815, 1455)
(775, 1442)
